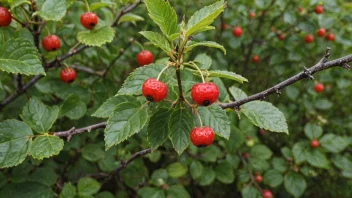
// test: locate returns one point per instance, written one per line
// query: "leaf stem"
(200, 120)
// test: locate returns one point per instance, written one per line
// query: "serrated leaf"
(224, 172)
(73, 107)
(163, 15)
(237, 93)
(204, 17)
(15, 139)
(17, 3)
(129, 17)
(313, 131)
(20, 56)
(334, 143)
(216, 118)
(180, 125)
(87, 186)
(261, 151)
(176, 170)
(45, 146)
(96, 37)
(53, 10)
(299, 151)
(204, 60)
(265, 116)
(273, 178)
(228, 75)
(295, 184)
(158, 40)
(68, 191)
(158, 130)
(39, 116)
(107, 108)
(204, 43)
(316, 158)
(128, 118)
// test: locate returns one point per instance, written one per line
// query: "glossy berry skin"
(321, 32)
(309, 38)
(89, 20)
(255, 59)
(319, 9)
(68, 75)
(51, 43)
(330, 37)
(314, 143)
(5, 17)
(237, 31)
(202, 136)
(267, 194)
(204, 94)
(154, 90)
(258, 178)
(144, 57)
(319, 87)
(251, 15)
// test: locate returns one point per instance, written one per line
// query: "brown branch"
(124, 11)
(86, 70)
(250, 172)
(68, 134)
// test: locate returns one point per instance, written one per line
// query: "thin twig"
(68, 134)
(250, 172)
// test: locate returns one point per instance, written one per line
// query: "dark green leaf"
(46, 146)
(216, 118)
(295, 184)
(107, 108)
(273, 178)
(334, 143)
(87, 186)
(158, 130)
(224, 172)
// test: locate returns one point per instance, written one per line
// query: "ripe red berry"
(281, 37)
(319, 87)
(267, 194)
(321, 32)
(330, 37)
(258, 178)
(154, 90)
(255, 58)
(5, 17)
(314, 143)
(319, 9)
(202, 136)
(51, 43)
(204, 94)
(144, 57)
(246, 155)
(262, 132)
(237, 31)
(89, 20)
(251, 15)
(68, 75)
(309, 38)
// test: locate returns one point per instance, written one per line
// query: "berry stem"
(200, 120)
(167, 66)
(87, 5)
(66, 65)
(47, 30)
(196, 67)
(139, 44)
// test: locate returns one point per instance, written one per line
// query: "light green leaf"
(206, 28)
(68, 191)
(204, 17)
(177, 191)
(228, 75)
(299, 151)
(316, 158)
(180, 125)
(73, 107)
(224, 172)
(53, 10)
(295, 184)
(163, 15)
(313, 131)
(46, 146)
(15, 139)
(261, 151)
(259, 163)
(216, 118)
(158, 130)
(107, 108)
(204, 60)
(237, 93)
(158, 40)
(208, 178)
(196, 169)
(128, 118)
(176, 170)
(87, 186)
(273, 178)
(20, 56)
(265, 116)
(97, 36)
(334, 143)
(204, 43)
(98, 5)
(93, 152)
(129, 17)
(39, 116)
(17, 3)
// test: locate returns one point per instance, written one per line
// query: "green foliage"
(46, 146)
(53, 10)
(97, 36)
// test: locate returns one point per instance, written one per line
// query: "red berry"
(319, 87)
(237, 31)
(300, 10)
(251, 15)
(246, 155)
(154, 90)
(309, 38)
(68, 75)
(89, 20)
(255, 58)
(321, 32)
(281, 37)
(267, 194)
(262, 132)
(319, 9)
(330, 37)
(224, 26)
(204, 93)
(314, 143)
(144, 57)
(51, 43)
(202, 136)
(5, 17)
(258, 178)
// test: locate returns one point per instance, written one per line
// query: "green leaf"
(46, 146)
(295, 184)
(259, 164)
(333, 143)
(176, 170)
(93, 152)
(316, 158)
(323, 104)
(204, 43)
(97, 36)
(158, 130)
(26, 189)
(44, 175)
(98, 5)
(273, 178)
(265, 116)
(163, 15)
(129, 17)
(15, 138)
(342, 162)
(133, 84)
(87, 186)
(73, 107)
(236, 139)
(261, 151)
(250, 192)
(20, 56)
(17, 3)
(237, 93)
(148, 192)
(228, 75)
(204, 60)
(128, 118)
(68, 191)
(224, 172)
(177, 191)
(208, 178)
(299, 151)
(216, 118)
(196, 169)
(313, 131)
(180, 125)
(107, 108)
(279, 164)
(53, 10)
(204, 17)
(158, 40)
(39, 116)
